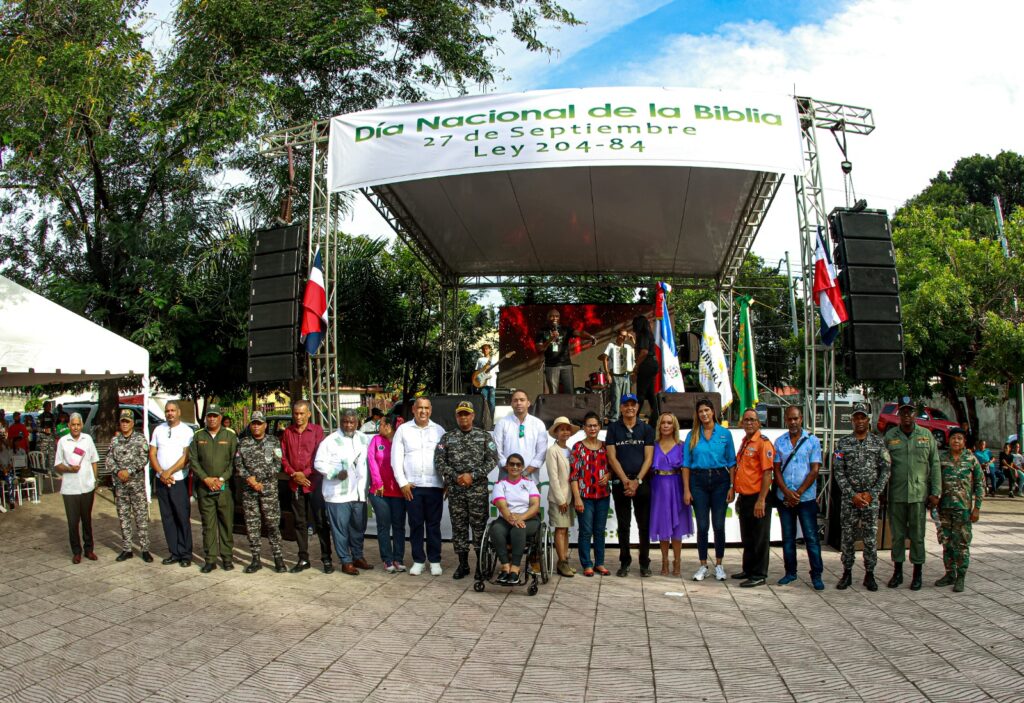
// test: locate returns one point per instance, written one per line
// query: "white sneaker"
(702, 572)
(435, 569)
(399, 567)
(390, 568)
(719, 573)
(417, 568)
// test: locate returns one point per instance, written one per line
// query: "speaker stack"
(873, 336)
(574, 406)
(274, 304)
(684, 405)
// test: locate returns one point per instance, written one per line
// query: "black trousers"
(78, 508)
(306, 507)
(175, 516)
(645, 376)
(640, 504)
(754, 533)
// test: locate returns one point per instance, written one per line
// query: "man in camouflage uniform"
(861, 466)
(127, 460)
(257, 463)
(963, 485)
(464, 457)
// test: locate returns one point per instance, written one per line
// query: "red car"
(932, 419)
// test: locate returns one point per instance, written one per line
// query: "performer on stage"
(487, 361)
(553, 340)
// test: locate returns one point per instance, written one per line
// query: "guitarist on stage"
(489, 365)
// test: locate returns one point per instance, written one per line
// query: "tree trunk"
(972, 415)
(105, 424)
(949, 392)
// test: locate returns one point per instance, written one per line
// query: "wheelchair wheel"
(478, 586)
(544, 552)
(486, 560)
(532, 590)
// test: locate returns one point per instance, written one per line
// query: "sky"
(943, 78)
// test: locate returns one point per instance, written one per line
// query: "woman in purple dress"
(671, 518)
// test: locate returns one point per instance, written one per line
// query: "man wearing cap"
(257, 463)
(211, 456)
(464, 457)
(127, 460)
(861, 465)
(630, 446)
(341, 460)
(298, 450)
(523, 434)
(963, 484)
(915, 487)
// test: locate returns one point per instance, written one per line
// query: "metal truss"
(304, 135)
(578, 280)
(754, 211)
(386, 202)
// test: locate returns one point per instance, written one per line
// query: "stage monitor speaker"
(282, 314)
(874, 308)
(272, 290)
(682, 405)
(443, 410)
(572, 405)
(873, 337)
(843, 414)
(280, 263)
(280, 239)
(690, 353)
(871, 280)
(866, 224)
(874, 366)
(865, 252)
(276, 340)
(276, 367)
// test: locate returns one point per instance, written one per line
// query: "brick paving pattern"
(104, 631)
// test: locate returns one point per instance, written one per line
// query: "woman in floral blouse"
(588, 480)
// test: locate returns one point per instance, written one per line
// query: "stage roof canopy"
(607, 183)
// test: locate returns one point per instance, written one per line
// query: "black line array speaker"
(682, 406)
(278, 266)
(873, 336)
(572, 405)
(442, 410)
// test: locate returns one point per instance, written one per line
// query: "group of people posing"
(671, 487)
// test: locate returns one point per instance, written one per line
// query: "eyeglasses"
(522, 431)
(514, 464)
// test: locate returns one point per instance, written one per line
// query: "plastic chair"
(37, 465)
(26, 489)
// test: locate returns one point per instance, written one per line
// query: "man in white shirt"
(523, 434)
(619, 358)
(490, 380)
(341, 458)
(412, 459)
(168, 456)
(75, 460)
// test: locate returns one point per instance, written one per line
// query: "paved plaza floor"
(104, 631)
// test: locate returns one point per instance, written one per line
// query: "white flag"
(714, 374)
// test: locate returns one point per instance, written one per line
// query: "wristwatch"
(639, 482)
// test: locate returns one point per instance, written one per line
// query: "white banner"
(712, 370)
(571, 127)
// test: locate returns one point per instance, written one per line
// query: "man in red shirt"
(17, 433)
(298, 449)
(752, 484)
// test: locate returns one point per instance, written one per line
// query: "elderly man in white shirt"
(412, 459)
(75, 460)
(341, 458)
(523, 434)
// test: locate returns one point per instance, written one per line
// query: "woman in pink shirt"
(386, 498)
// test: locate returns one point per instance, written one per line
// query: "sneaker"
(787, 579)
(701, 574)
(818, 584)
(435, 569)
(399, 566)
(752, 583)
(390, 568)
(719, 573)
(417, 568)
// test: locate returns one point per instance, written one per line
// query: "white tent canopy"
(42, 342)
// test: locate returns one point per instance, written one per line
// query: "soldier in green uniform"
(861, 467)
(211, 455)
(127, 460)
(915, 487)
(257, 463)
(963, 485)
(464, 457)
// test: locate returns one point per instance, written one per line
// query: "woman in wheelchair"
(518, 502)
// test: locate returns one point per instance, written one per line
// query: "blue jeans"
(390, 515)
(425, 511)
(488, 394)
(709, 489)
(620, 386)
(348, 527)
(807, 513)
(592, 526)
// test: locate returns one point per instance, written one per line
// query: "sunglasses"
(522, 431)
(514, 464)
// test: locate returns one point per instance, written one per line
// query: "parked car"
(932, 419)
(88, 412)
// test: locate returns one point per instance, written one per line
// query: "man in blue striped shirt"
(797, 461)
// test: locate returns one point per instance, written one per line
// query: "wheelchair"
(539, 557)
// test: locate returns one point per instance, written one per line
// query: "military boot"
(846, 580)
(279, 566)
(869, 581)
(897, 575)
(254, 566)
(463, 569)
(958, 587)
(946, 580)
(915, 581)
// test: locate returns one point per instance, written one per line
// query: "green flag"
(744, 375)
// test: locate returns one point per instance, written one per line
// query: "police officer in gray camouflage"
(257, 463)
(127, 460)
(861, 465)
(464, 457)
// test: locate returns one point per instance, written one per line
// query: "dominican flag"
(826, 293)
(665, 342)
(314, 307)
